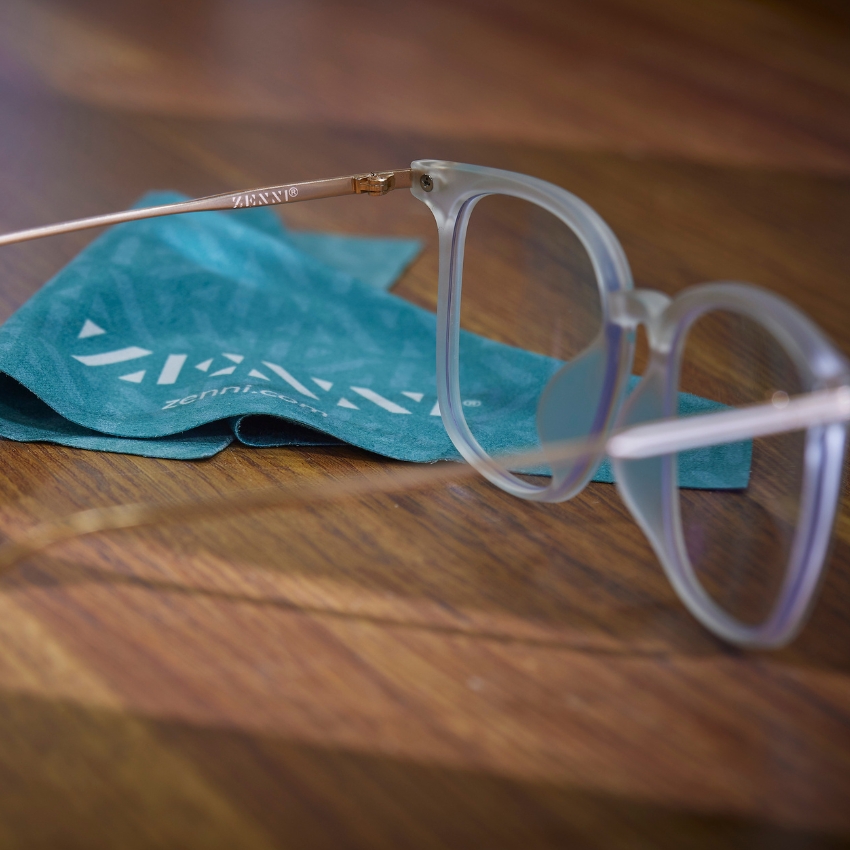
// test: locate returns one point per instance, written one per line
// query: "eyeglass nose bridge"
(632, 308)
(559, 415)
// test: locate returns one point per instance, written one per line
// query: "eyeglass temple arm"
(374, 183)
(639, 441)
(670, 436)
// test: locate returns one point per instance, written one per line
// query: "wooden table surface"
(449, 667)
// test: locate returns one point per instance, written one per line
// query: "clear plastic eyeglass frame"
(641, 434)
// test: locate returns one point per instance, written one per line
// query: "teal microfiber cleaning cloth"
(172, 337)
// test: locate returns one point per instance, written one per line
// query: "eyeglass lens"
(739, 541)
(529, 288)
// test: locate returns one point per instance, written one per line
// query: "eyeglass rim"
(820, 367)
(453, 190)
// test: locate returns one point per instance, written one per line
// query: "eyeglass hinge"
(374, 183)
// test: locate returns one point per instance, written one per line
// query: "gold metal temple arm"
(374, 183)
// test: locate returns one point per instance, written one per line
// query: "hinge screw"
(426, 182)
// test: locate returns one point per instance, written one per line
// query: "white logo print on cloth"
(229, 362)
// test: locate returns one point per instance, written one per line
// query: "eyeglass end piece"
(379, 183)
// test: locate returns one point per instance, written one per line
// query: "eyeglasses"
(537, 402)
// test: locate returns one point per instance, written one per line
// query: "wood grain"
(448, 666)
